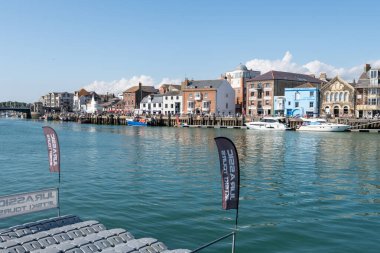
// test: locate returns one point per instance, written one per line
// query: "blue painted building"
(302, 101)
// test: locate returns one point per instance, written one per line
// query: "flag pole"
(59, 199)
(235, 230)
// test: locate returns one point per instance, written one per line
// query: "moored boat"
(137, 121)
(321, 125)
(268, 123)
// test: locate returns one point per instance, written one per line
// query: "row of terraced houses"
(241, 91)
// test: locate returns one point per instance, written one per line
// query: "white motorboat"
(268, 123)
(321, 125)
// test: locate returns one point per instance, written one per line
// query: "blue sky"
(50, 45)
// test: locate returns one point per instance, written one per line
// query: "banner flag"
(229, 168)
(53, 149)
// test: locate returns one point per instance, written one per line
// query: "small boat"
(137, 121)
(268, 123)
(321, 125)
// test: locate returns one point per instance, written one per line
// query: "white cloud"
(118, 86)
(313, 67)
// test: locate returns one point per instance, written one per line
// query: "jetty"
(72, 235)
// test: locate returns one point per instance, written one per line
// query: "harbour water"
(300, 192)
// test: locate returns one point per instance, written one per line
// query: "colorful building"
(238, 80)
(208, 97)
(337, 98)
(302, 101)
(368, 93)
(133, 96)
(262, 90)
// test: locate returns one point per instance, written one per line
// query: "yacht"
(321, 125)
(268, 123)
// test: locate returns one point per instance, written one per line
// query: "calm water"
(300, 192)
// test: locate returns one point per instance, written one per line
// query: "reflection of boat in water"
(321, 125)
(268, 123)
(137, 121)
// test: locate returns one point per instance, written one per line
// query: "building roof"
(144, 88)
(241, 67)
(157, 98)
(363, 81)
(279, 75)
(176, 86)
(83, 92)
(306, 85)
(173, 93)
(204, 84)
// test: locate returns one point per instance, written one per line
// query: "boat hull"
(325, 128)
(266, 126)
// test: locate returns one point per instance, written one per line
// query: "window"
(206, 104)
(191, 95)
(190, 104)
(289, 103)
(260, 94)
(311, 93)
(227, 105)
(166, 105)
(311, 104)
(206, 95)
(144, 105)
(297, 95)
(154, 105)
(259, 85)
(252, 94)
(227, 95)
(267, 93)
(171, 97)
(266, 102)
(177, 97)
(267, 85)
(166, 98)
(297, 104)
(159, 105)
(252, 86)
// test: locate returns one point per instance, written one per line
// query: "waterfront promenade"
(300, 192)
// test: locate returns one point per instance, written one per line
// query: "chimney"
(323, 76)
(367, 67)
(184, 84)
(139, 85)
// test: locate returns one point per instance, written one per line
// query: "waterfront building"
(111, 105)
(302, 100)
(279, 105)
(152, 104)
(337, 98)
(208, 97)
(164, 88)
(80, 99)
(262, 90)
(58, 102)
(238, 80)
(133, 96)
(368, 93)
(172, 103)
(93, 106)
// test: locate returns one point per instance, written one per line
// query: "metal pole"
(59, 186)
(213, 242)
(234, 233)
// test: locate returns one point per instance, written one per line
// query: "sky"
(109, 46)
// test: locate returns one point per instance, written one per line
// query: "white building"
(93, 106)
(58, 101)
(152, 104)
(237, 78)
(172, 103)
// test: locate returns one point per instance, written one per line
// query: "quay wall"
(171, 121)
